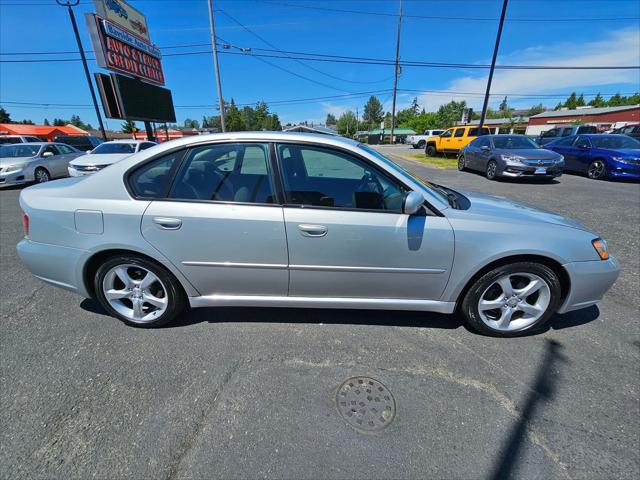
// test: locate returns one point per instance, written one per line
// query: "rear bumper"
(589, 282)
(54, 264)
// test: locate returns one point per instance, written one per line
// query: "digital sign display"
(140, 101)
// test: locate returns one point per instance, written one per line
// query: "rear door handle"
(167, 223)
(312, 230)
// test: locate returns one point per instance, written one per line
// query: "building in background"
(46, 133)
(605, 118)
(515, 125)
(311, 129)
(378, 136)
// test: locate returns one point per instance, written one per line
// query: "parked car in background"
(630, 130)
(106, 154)
(510, 156)
(274, 219)
(34, 162)
(452, 140)
(600, 156)
(419, 141)
(84, 143)
(559, 132)
(5, 139)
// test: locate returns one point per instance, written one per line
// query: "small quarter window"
(152, 179)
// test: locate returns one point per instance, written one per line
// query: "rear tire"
(421, 144)
(430, 151)
(492, 169)
(516, 311)
(139, 292)
(41, 175)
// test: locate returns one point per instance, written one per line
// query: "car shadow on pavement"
(394, 318)
(542, 391)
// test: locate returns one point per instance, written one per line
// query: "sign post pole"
(70, 4)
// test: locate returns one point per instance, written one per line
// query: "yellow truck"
(452, 140)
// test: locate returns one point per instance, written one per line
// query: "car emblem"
(540, 162)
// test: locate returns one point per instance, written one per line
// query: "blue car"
(600, 156)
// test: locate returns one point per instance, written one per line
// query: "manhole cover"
(366, 404)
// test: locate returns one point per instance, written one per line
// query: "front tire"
(492, 170)
(421, 144)
(138, 291)
(41, 175)
(597, 170)
(430, 151)
(512, 299)
(461, 163)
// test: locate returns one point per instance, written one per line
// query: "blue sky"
(572, 32)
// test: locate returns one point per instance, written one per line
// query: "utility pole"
(395, 76)
(69, 4)
(493, 66)
(214, 46)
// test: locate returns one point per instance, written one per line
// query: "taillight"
(25, 224)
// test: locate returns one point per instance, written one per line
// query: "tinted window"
(513, 142)
(226, 172)
(9, 140)
(437, 132)
(551, 133)
(447, 134)
(614, 141)
(22, 150)
(65, 149)
(565, 142)
(115, 148)
(582, 142)
(330, 178)
(587, 129)
(567, 132)
(144, 146)
(52, 149)
(482, 142)
(473, 132)
(459, 132)
(152, 179)
(32, 139)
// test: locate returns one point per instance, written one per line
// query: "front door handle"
(312, 230)
(166, 223)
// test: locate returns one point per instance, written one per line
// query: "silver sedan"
(297, 220)
(34, 162)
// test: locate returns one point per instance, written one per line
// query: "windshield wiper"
(449, 194)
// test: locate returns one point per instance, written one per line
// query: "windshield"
(614, 141)
(442, 196)
(115, 148)
(23, 150)
(513, 142)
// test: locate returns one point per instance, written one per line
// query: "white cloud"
(617, 49)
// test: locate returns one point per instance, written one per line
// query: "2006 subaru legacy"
(277, 219)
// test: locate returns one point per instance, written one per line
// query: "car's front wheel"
(492, 170)
(512, 299)
(430, 151)
(597, 170)
(421, 144)
(461, 163)
(41, 175)
(138, 291)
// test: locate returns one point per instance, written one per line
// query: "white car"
(419, 141)
(106, 154)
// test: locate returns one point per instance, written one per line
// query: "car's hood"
(508, 210)
(100, 159)
(529, 153)
(6, 161)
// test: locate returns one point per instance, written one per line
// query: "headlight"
(601, 247)
(560, 159)
(513, 158)
(15, 167)
(625, 159)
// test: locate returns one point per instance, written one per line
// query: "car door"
(221, 223)
(483, 154)
(457, 142)
(446, 140)
(55, 164)
(564, 148)
(67, 154)
(346, 232)
(580, 154)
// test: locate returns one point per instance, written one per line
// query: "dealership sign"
(124, 15)
(118, 50)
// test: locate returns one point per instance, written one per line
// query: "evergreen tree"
(4, 116)
(571, 102)
(233, 119)
(373, 112)
(580, 101)
(415, 108)
(46, 122)
(346, 124)
(535, 110)
(598, 101)
(331, 120)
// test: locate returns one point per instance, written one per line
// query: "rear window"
(9, 140)
(587, 129)
(153, 178)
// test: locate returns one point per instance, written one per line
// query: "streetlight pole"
(493, 66)
(69, 4)
(395, 76)
(214, 46)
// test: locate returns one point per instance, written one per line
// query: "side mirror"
(47, 154)
(412, 202)
(583, 147)
(89, 151)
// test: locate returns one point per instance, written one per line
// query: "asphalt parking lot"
(248, 392)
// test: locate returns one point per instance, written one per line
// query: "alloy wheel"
(514, 302)
(135, 292)
(42, 175)
(461, 163)
(491, 170)
(596, 169)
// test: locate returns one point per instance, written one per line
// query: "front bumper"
(518, 170)
(17, 177)
(624, 170)
(54, 264)
(79, 173)
(589, 282)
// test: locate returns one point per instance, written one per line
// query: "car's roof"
(124, 140)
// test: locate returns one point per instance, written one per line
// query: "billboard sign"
(123, 15)
(118, 50)
(140, 101)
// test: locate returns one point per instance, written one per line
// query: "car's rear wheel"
(492, 170)
(138, 291)
(41, 175)
(430, 151)
(597, 170)
(421, 144)
(461, 163)
(512, 299)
